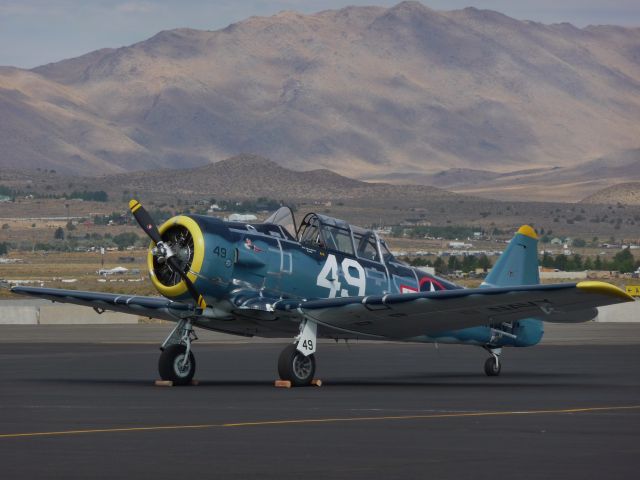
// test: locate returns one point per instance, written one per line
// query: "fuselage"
(324, 258)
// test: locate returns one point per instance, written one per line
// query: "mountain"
(624, 194)
(566, 184)
(364, 91)
(250, 177)
(569, 184)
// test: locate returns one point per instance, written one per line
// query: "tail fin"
(518, 264)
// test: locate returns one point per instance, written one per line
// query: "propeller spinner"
(164, 249)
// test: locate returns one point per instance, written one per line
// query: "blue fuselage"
(266, 258)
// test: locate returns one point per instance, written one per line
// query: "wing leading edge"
(155, 307)
(404, 316)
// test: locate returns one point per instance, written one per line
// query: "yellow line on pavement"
(307, 421)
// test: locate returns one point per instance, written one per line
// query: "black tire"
(295, 367)
(492, 367)
(169, 365)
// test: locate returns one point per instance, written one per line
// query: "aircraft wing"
(403, 316)
(155, 307)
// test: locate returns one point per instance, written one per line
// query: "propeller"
(146, 222)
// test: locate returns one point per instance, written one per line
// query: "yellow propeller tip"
(134, 205)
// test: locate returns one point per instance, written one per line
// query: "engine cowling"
(203, 248)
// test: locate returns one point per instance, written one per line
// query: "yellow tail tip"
(528, 231)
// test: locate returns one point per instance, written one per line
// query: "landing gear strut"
(493, 365)
(177, 362)
(297, 362)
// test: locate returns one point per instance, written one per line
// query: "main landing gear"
(297, 362)
(295, 367)
(176, 362)
(492, 366)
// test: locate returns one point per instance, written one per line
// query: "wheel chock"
(169, 383)
(316, 382)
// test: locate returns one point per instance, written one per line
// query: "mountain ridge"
(366, 91)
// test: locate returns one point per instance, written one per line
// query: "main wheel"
(295, 367)
(492, 367)
(170, 365)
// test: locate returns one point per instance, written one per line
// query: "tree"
(547, 260)
(561, 262)
(453, 264)
(575, 263)
(579, 243)
(484, 263)
(439, 265)
(623, 261)
(469, 263)
(4, 248)
(59, 233)
(125, 239)
(597, 263)
(419, 262)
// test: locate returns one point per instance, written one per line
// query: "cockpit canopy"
(321, 231)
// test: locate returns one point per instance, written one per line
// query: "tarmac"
(80, 402)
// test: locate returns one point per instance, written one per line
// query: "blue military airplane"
(327, 279)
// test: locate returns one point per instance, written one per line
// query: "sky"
(36, 32)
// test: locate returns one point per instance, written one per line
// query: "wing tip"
(603, 288)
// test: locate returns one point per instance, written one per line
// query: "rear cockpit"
(321, 231)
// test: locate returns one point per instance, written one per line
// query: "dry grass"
(50, 269)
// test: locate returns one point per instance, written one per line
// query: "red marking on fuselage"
(424, 280)
(407, 289)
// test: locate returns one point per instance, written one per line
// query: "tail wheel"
(492, 367)
(171, 365)
(295, 367)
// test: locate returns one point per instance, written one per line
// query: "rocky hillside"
(624, 193)
(240, 177)
(567, 184)
(362, 91)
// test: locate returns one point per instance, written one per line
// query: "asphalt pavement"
(91, 410)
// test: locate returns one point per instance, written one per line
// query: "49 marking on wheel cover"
(307, 340)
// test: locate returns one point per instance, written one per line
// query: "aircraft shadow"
(448, 380)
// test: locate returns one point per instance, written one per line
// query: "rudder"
(518, 264)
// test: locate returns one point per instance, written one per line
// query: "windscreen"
(284, 217)
(366, 245)
(338, 239)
